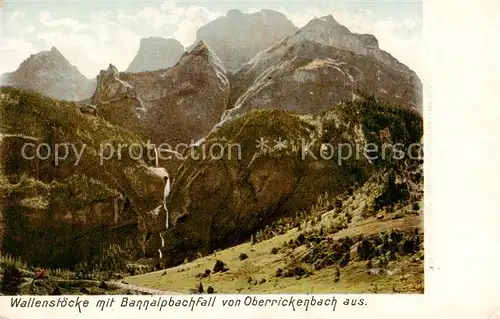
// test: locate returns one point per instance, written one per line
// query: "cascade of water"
(166, 192)
(162, 240)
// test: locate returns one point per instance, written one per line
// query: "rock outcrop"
(51, 74)
(156, 53)
(237, 37)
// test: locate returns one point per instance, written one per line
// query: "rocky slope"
(237, 37)
(59, 211)
(218, 202)
(156, 53)
(175, 105)
(51, 74)
(320, 65)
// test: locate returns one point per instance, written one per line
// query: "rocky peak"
(52, 58)
(50, 73)
(111, 70)
(202, 49)
(326, 30)
(109, 86)
(237, 37)
(234, 14)
(156, 53)
(325, 22)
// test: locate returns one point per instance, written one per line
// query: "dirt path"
(120, 285)
(146, 290)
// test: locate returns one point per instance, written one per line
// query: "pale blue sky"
(92, 34)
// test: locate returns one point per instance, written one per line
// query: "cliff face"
(51, 74)
(237, 37)
(59, 210)
(156, 54)
(176, 105)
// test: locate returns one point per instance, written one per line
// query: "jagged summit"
(49, 72)
(156, 53)
(324, 26)
(202, 49)
(234, 14)
(111, 69)
(52, 57)
(237, 37)
(328, 19)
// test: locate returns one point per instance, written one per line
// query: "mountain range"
(246, 79)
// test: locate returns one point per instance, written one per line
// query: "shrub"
(299, 271)
(274, 251)
(243, 256)
(220, 266)
(210, 290)
(199, 288)
(279, 272)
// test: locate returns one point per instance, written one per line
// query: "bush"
(243, 256)
(220, 266)
(279, 272)
(299, 271)
(210, 290)
(274, 251)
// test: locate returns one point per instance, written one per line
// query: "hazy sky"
(91, 34)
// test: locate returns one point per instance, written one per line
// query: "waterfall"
(166, 192)
(160, 254)
(162, 240)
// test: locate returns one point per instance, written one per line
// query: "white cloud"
(168, 5)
